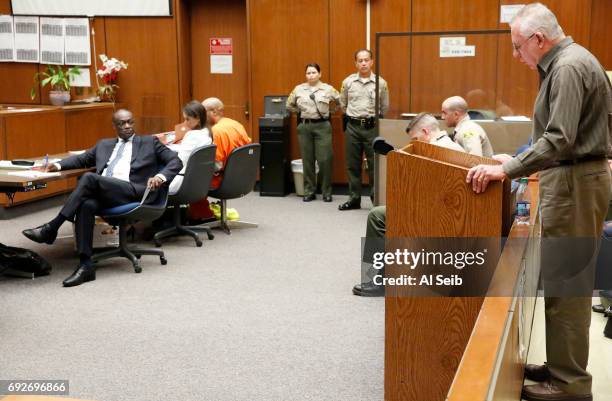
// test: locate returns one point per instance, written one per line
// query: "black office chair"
(196, 181)
(239, 177)
(124, 216)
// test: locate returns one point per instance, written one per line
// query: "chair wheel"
(137, 268)
(211, 236)
(138, 257)
(158, 243)
(198, 243)
(163, 260)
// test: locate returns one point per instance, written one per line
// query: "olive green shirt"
(570, 119)
(358, 95)
(300, 100)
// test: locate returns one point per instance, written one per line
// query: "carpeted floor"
(263, 314)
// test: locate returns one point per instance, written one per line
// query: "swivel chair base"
(131, 253)
(178, 229)
(225, 224)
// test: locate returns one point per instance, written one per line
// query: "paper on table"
(515, 118)
(6, 164)
(33, 174)
(7, 38)
(76, 152)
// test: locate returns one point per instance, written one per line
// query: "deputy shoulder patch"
(469, 134)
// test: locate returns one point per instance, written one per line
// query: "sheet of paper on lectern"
(52, 40)
(7, 38)
(27, 45)
(76, 42)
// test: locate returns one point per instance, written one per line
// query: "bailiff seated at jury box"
(125, 167)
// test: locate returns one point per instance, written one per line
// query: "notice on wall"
(221, 46)
(456, 47)
(52, 40)
(82, 80)
(507, 12)
(27, 44)
(7, 38)
(221, 64)
(76, 43)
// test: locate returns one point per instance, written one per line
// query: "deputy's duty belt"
(363, 121)
(314, 120)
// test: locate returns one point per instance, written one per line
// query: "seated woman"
(197, 135)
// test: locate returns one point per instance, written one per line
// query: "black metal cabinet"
(274, 177)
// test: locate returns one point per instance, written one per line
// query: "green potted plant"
(59, 81)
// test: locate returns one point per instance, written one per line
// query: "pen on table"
(46, 161)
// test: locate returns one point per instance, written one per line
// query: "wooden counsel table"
(12, 184)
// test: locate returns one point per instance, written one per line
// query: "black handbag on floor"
(23, 260)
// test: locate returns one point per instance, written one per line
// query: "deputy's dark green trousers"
(358, 140)
(316, 144)
(573, 203)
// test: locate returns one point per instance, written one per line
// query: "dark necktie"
(111, 166)
(452, 136)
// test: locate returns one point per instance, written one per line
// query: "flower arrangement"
(108, 75)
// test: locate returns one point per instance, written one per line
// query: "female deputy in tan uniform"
(311, 100)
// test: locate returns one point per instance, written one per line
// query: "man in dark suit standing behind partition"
(125, 167)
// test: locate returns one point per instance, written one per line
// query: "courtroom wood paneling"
(347, 20)
(150, 85)
(394, 53)
(5, 7)
(601, 32)
(283, 40)
(85, 127)
(29, 135)
(454, 15)
(435, 78)
(182, 15)
(210, 19)
(16, 80)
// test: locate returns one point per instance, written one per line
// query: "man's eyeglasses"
(517, 48)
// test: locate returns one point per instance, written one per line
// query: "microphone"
(381, 146)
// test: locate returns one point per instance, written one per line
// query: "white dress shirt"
(123, 165)
(191, 141)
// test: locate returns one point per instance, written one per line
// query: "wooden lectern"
(427, 196)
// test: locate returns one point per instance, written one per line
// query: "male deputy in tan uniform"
(467, 133)
(571, 139)
(357, 98)
(424, 127)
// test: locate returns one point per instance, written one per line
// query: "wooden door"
(226, 19)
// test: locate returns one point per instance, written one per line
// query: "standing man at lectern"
(571, 139)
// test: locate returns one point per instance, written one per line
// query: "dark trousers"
(92, 194)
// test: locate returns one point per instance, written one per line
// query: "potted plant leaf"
(59, 81)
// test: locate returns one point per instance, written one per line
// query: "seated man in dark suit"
(125, 167)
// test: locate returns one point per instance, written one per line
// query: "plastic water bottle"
(523, 202)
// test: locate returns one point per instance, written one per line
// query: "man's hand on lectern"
(480, 176)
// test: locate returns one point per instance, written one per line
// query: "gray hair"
(537, 17)
(455, 103)
(212, 103)
(422, 120)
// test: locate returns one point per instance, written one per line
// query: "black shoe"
(351, 204)
(608, 312)
(327, 198)
(81, 275)
(41, 234)
(369, 289)
(308, 198)
(598, 308)
(537, 373)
